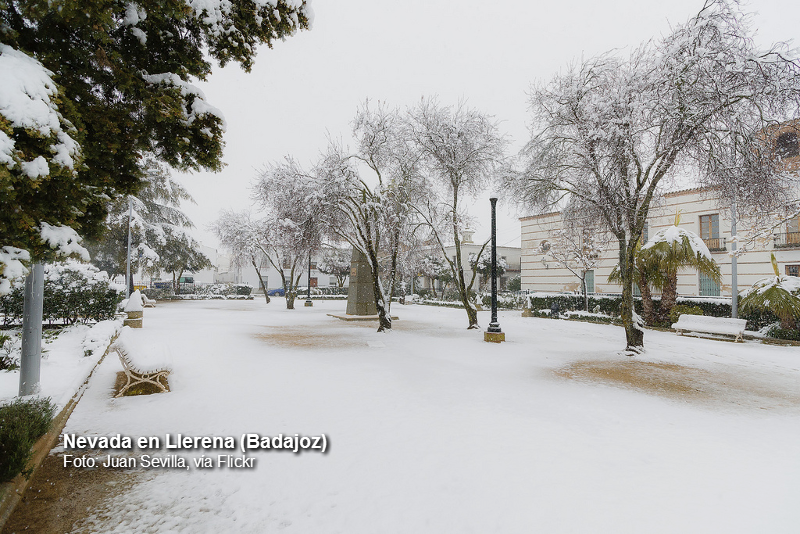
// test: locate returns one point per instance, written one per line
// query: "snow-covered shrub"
(22, 422)
(73, 292)
(783, 333)
(158, 293)
(504, 300)
(608, 305)
(223, 289)
(10, 351)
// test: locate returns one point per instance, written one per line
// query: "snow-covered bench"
(140, 368)
(710, 325)
(148, 303)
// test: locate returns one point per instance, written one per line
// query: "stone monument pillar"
(360, 296)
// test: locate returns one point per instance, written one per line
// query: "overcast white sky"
(488, 53)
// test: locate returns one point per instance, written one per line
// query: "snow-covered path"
(433, 430)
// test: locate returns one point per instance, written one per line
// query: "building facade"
(700, 212)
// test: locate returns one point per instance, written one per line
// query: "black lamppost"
(308, 298)
(493, 333)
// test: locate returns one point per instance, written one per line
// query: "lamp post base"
(309, 303)
(494, 337)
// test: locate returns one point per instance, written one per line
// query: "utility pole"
(734, 267)
(31, 356)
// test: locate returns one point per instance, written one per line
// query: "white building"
(272, 278)
(701, 214)
(511, 255)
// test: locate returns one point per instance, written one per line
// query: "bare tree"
(367, 192)
(460, 148)
(239, 235)
(577, 245)
(611, 132)
(335, 261)
(291, 229)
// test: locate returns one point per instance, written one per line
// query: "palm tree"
(671, 250)
(776, 295)
(646, 273)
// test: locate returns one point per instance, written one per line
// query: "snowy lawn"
(431, 429)
(67, 359)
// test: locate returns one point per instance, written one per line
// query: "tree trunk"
(384, 317)
(633, 334)
(648, 311)
(585, 293)
(669, 296)
(458, 271)
(260, 280)
(287, 293)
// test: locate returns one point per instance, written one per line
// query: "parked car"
(276, 292)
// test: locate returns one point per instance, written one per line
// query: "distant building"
(510, 254)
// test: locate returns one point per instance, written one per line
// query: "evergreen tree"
(155, 218)
(111, 82)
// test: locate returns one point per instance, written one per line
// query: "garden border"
(11, 493)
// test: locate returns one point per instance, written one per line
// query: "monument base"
(494, 337)
(308, 304)
(346, 317)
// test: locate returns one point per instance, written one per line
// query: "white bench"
(138, 374)
(710, 325)
(148, 303)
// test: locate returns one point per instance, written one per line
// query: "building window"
(709, 232)
(793, 270)
(786, 145)
(708, 287)
(793, 230)
(544, 246)
(590, 281)
(645, 233)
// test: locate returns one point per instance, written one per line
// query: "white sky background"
(487, 53)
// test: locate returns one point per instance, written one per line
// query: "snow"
(64, 239)
(36, 168)
(66, 362)
(27, 94)
(790, 284)
(430, 429)
(134, 303)
(11, 266)
(674, 234)
(200, 105)
(145, 353)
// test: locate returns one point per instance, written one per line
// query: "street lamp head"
(493, 195)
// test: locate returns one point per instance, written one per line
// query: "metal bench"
(136, 374)
(710, 325)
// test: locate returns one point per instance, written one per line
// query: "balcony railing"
(787, 240)
(715, 244)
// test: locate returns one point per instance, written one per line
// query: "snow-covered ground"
(67, 359)
(430, 429)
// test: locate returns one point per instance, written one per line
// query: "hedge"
(73, 292)
(609, 304)
(22, 422)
